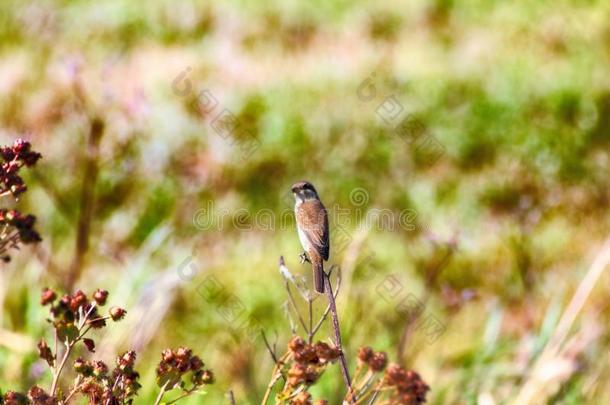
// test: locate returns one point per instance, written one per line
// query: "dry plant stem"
(375, 393)
(60, 367)
(310, 332)
(271, 352)
(83, 328)
(327, 310)
(116, 382)
(73, 391)
(534, 382)
(335, 323)
(275, 377)
(161, 392)
(231, 397)
(184, 395)
(294, 306)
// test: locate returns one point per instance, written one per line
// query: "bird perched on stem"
(312, 226)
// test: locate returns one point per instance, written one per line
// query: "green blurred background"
(505, 220)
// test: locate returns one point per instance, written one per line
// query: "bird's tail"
(318, 274)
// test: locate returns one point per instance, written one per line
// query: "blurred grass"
(517, 93)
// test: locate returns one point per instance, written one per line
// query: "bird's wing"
(314, 222)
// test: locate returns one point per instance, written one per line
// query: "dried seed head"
(47, 297)
(365, 353)
(117, 313)
(100, 296)
(44, 352)
(378, 361)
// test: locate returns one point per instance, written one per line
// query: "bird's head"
(304, 190)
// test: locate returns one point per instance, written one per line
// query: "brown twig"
(335, 323)
(83, 328)
(277, 372)
(327, 310)
(231, 398)
(271, 351)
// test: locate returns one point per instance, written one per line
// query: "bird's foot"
(303, 257)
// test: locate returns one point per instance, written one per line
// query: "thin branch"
(294, 306)
(231, 398)
(69, 345)
(271, 351)
(184, 395)
(335, 323)
(73, 391)
(290, 296)
(327, 310)
(161, 392)
(310, 331)
(60, 367)
(277, 372)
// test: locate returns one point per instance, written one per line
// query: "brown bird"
(312, 226)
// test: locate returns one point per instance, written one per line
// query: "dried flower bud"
(300, 373)
(208, 377)
(99, 368)
(378, 361)
(365, 353)
(296, 343)
(44, 352)
(47, 297)
(411, 389)
(117, 313)
(81, 366)
(39, 396)
(126, 360)
(306, 354)
(196, 363)
(167, 355)
(89, 344)
(100, 297)
(325, 353)
(15, 398)
(78, 300)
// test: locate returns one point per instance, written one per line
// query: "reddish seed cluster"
(176, 364)
(21, 151)
(309, 360)
(23, 225)
(14, 398)
(16, 228)
(101, 386)
(411, 389)
(14, 158)
(375, 360)
(70, 308)
(38, 396)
